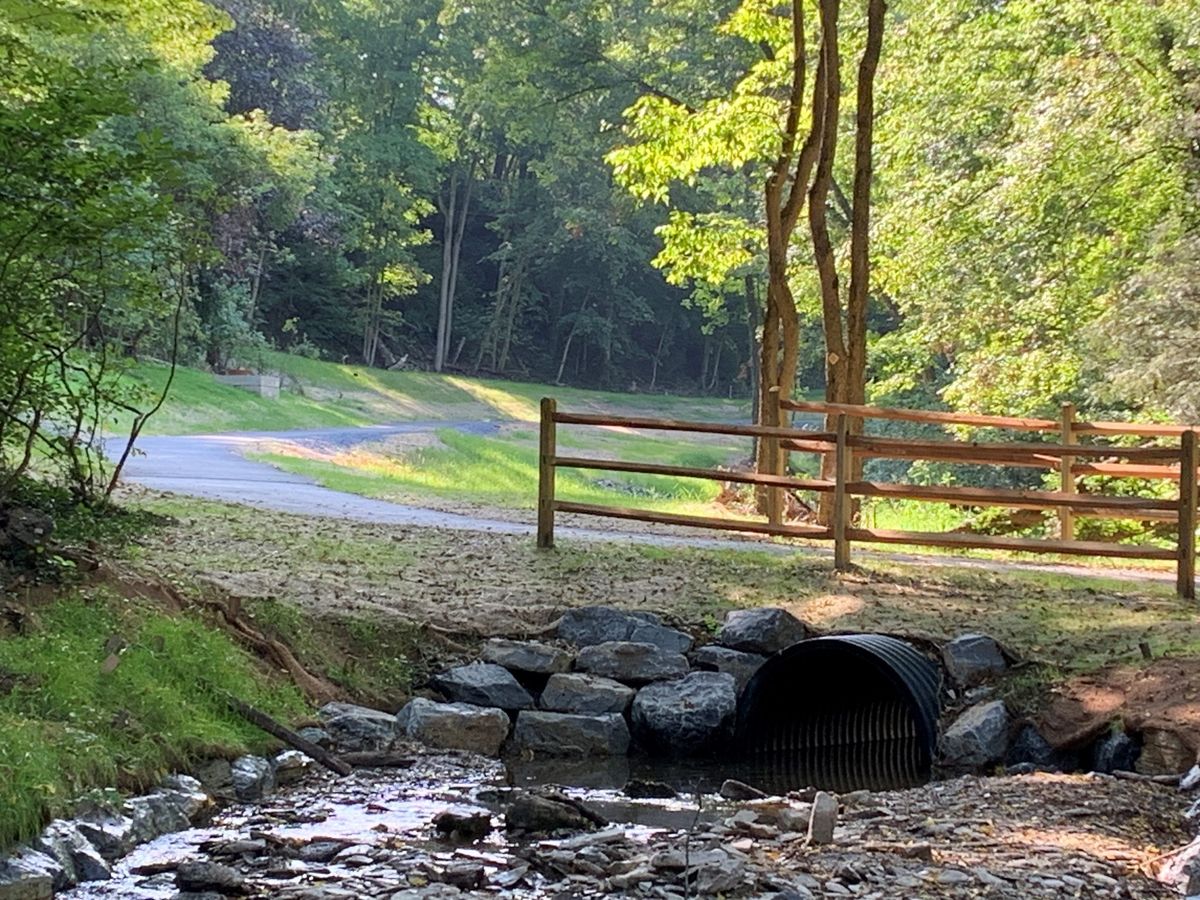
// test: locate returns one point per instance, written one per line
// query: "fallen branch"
(289, 737)
(1172, 780)
(368, 759)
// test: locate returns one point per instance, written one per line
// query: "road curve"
(214, 467)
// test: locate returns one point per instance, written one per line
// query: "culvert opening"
(844, 712)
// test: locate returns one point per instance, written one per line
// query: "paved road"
(213, 467)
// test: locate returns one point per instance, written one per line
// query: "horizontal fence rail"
(846, 450)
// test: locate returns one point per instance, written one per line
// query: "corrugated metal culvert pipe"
(843, 712)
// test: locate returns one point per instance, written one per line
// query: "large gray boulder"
(563, 734)
(671, 639)
(739, 664)
(253, 778)
(483, 684)
(533, 657)
(106, 827)
(766, 631)
(28, 875)
(589, 625)
(971, 659)
(358, 727)
(690, 716)
(78, 859)
(173, 807)
(631, 662)
(977, 738)
(589, 695)
(454, 726)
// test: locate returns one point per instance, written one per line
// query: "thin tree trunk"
(449, 221)
(455, 256)
(514, 302)
(562, 362)
(860, 228)
(256, 284)
(657, 357)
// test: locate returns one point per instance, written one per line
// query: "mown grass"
(68, 724)
(326, 394)
(503, 471)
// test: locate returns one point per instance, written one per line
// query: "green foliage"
(1026, 160)
(69, 726)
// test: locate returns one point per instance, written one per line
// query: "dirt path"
(215, 467)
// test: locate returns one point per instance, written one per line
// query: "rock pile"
(615, 680)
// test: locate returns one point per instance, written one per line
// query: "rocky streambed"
(581, 806)
(451, 825)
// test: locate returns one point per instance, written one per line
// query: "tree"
(759, 123)
(1032, 158)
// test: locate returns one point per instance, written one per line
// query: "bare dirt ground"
(447, 590)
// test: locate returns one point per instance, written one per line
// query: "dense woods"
(595, 193)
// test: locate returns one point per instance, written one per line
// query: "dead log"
(289, 737)
(374, 759)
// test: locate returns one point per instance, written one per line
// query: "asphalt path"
(214, 467)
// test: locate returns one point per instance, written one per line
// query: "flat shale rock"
(537, 813)
(563, 734)
(583, 694)
(209, 877)
(483, 684)
(631, 662)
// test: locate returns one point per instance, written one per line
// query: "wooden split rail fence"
(1071, 458)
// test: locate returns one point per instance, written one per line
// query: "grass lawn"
(502, 471)
(318, 394)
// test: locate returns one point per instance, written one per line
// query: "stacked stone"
(614, 681)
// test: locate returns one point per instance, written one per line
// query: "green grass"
(319, 394)
(503, 471)
(68, 726)
(197, 404)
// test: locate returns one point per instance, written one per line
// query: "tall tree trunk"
(846, 343)
(514, 303)
(783, 198)
(454, 222)
(456, 256)
(449, 211)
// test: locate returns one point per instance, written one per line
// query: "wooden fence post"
(547, 450)
(1189, 459)
(841, 506)
(1066, 517)
(775, 458)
